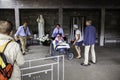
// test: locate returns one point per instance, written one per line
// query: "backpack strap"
(3, 60)
(3, 47)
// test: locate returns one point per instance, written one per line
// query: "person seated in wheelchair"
(59, 44)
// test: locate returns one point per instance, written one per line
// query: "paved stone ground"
(107, 67)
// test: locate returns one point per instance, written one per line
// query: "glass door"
(76, 20)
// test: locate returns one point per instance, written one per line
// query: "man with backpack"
(10, 49)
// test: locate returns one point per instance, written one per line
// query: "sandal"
(78, 57)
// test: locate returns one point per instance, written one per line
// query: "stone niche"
(30, 15)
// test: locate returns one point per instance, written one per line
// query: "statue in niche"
(40, 21)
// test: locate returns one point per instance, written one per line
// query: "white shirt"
(76, 33)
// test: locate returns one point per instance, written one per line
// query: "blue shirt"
(89, 35)
(57, 31)
(22, 32)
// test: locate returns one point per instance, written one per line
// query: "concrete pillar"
(61, 16)
(17, 19)
(102, 35)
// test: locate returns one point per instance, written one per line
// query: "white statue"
(40, 21)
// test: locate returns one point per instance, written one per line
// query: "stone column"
(102, 32)
(61, 16)
(17, 19)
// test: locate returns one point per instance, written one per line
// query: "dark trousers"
(61, 50)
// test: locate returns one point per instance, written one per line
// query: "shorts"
(79, 43)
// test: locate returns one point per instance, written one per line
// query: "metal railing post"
(63, 67)
(50, 69)
(29, 63)
(52, 72)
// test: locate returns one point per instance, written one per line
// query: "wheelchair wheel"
(71, 56)
(51, 49)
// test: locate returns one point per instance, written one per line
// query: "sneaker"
(85, 64)
(70, 57)
(93, 62)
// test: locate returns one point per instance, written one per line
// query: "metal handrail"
(43, 65)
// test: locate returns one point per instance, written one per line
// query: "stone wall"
(7, 14)
(112, 26)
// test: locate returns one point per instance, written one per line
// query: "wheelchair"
(61, 50)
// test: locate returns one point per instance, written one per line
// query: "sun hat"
(75, 26)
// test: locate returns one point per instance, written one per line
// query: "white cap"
(75, 26)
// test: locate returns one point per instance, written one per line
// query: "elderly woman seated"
(61, 46)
